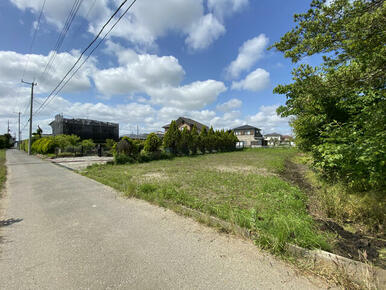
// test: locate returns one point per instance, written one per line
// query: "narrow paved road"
(65, 231)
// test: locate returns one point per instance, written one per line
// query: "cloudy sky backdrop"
(204, 59)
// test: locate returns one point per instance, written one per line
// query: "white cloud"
(249, 53)
(268, 120)
(147, 20)
(204, 32)
(138, 73)
(158, 77)
(222, 8)
(193, 96)
(255, 81)
(13, 64)
(230, 105)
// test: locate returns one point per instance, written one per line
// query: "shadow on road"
(8, 222)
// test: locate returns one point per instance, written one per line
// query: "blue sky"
(201, 59)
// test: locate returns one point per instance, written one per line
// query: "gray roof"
(182, 120)
(246, 127)
(272, 134)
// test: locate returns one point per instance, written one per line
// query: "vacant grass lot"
(3, 169)
(241, 187)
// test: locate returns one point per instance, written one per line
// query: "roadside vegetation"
(339, 106)
(60, 145)
(338, 115)
(243, 188)
(3, 169)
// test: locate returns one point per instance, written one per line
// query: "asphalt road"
(61, 230)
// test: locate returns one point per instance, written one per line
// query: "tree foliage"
(126, 146)
(339, 107)
(202, 140)
(185, 140)
(172, 138)
(193, 145)
(6, 141)
(152, 143)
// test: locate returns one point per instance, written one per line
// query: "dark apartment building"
(86, 129)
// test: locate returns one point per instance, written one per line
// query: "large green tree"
(172, 138)
(338, 108)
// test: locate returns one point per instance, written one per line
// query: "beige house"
(183, 122)
(248, 136)
(273, 139)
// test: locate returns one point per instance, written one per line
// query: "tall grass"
(3, 169)
(336, 200)
(240, 187)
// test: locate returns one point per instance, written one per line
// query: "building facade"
(273, 139)
(248, 136)
(86, 129)
(183, 122)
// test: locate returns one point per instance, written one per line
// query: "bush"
(123, 159)
(87, 145)
(150, 156)
(127, 147)
(152, 143)
(62, 141)
(6, 141)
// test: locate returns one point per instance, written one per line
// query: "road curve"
(60, 230)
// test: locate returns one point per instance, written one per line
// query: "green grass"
(3, 169)
(240, 187)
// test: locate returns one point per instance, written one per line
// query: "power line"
(33, 38)
(88, 46)
(59, 42)
(91, 52)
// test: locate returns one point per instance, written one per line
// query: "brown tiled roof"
(182, 120)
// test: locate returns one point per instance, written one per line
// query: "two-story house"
(183, 122)
(248, 136)
(273, 139)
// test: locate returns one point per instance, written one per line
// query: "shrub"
(88, 144)
(123, 159)
(127, 147)
(110, 144)
(152, 143)
(63, 141)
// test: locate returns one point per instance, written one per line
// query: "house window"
(247, 132)
(237, 133)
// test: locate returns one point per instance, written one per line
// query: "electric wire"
(59, 42)
(84, 50)
(91, 52)
(34, 38)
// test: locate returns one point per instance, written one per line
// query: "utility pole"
(30, 114)
(18, 144)
(8, 128)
